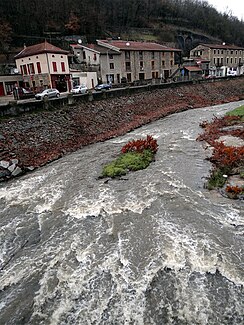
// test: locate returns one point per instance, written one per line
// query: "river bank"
(33, 140)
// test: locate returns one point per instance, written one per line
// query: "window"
(235, 60)
(140, 55)
(111, 56)
(227, 60)
(163, 63)
(23, 69)
(63, 66)
(95, 56)
(127, 55)
(38, 66)
(54, 66)
(153, 75)
(214, 51)
(171, 62)
(53, 56)
(31, 69)
(231, 60)
(171, 54)
(153, 65)
(141, 65)
(163, 53)
(111, 65)
(152, 55)
(129, 77)
(127, 66)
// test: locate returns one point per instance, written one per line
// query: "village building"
(118, 61)
(224, 60)
(44, 66)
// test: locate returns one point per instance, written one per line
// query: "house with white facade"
(84, 65)
(44, 66)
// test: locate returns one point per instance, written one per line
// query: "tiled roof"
(222, 46)
(192, 68)
(138, 46)
(102, 49)
(44, 47)
(200, 59)
(95, 48)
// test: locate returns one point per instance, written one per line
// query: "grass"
(130, 161)
(217, 179)
(239, 111)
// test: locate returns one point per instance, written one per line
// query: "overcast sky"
(236, 7)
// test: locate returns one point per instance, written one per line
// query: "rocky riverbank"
(33, 140)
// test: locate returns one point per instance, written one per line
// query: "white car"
(81, 89)
(48, 93)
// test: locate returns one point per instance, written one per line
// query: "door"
(1, 89)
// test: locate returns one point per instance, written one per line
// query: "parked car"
(103, 87)
(81, 89)
(24, 93)
(231, 73)
(48, 93)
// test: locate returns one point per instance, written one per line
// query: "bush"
(141, 145)
(224, 156)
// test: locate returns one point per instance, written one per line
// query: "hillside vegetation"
(159, 20)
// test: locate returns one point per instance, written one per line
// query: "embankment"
(32, 139)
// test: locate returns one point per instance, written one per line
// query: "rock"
(12, 167)
(30, 168)
(15, 161)
(4, 164)
(17, 171)
(230, 141)
(4, 173)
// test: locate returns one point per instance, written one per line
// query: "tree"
(73, 25)
(5, 37)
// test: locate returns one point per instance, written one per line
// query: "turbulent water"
(152, 248)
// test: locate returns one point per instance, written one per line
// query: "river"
(151, 248)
